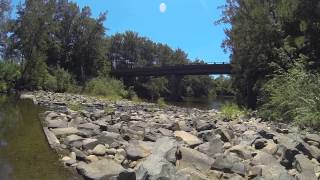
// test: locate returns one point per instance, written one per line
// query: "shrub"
(50, 83)
(65, 82)
(293, 96)
(161, 102)
(106, 87)
(231, 111)
(9, 75)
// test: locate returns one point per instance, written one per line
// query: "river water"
(24, 151)
(204, 103)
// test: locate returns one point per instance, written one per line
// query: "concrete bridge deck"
(189, 69)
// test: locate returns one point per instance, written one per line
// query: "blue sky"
(185, 24)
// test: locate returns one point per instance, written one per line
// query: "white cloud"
(163, 7)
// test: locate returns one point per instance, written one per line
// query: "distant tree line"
(55, 45)
(275, 47)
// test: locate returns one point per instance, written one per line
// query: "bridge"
(128, 72)
(177, 70)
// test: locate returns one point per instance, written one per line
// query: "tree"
(5, 10)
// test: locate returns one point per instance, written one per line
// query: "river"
(203, 103)
(24, 151)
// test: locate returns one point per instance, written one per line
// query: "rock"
(228, 163)
(89, 126)
(119, 158)
(102, 169)
(271, 147)
(65, 131)
(92, 158)
(271, 169)
(68, 161)
(89, 143)
(312, 137)
(108, 138)
(75, 122)
(72, 138)
(52, 139)
(125, 118)
(195, 159)
(99, 150)
(28, 97)
(190, 139)
(174, 127)
(305, 167)
(203, 125)
(136, 150)
(226, 135)
(155, 165)
(57, 124)
(211, 148)
(227, 145)
(206, 135)
(79, 154)
(165, 132)
(254, 171)
(260, 143)
(242, 151)
(72, 155)
(127, 175)
(111, 151)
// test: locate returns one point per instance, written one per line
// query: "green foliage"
(76, 107)
(106, 87)
(9, 75)
(50, 83)
(65, 81)
(161, 102)
(231, 111)
(293, 97)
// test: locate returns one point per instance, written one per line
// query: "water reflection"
(24, 152)
(5, 170)
(203, 103)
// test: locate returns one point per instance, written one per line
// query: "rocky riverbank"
(125, 140)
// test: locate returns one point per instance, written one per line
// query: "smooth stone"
(102, 169)
(190, 139)
(64, 131)
(99, 150)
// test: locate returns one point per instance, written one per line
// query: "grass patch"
(76, 106)
(231, 111)
(161, 102)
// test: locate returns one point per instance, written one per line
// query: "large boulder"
(156, 166)
(102, 169)
(229, 163)
(188, 138)
(194, 159)
(305, 167)
(64, 131)
(211, 148)
(271, 168)
(136, 150)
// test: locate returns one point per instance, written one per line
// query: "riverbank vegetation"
(56, 46)
(275, 57)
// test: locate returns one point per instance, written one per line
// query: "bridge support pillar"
(175, 87)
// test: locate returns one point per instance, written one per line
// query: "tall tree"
(5, 10)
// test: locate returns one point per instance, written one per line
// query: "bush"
(231, 111)
(65, 82)
(50, 83)
(9, 75)
(106, 87)
(293, 97)
(161, 102)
